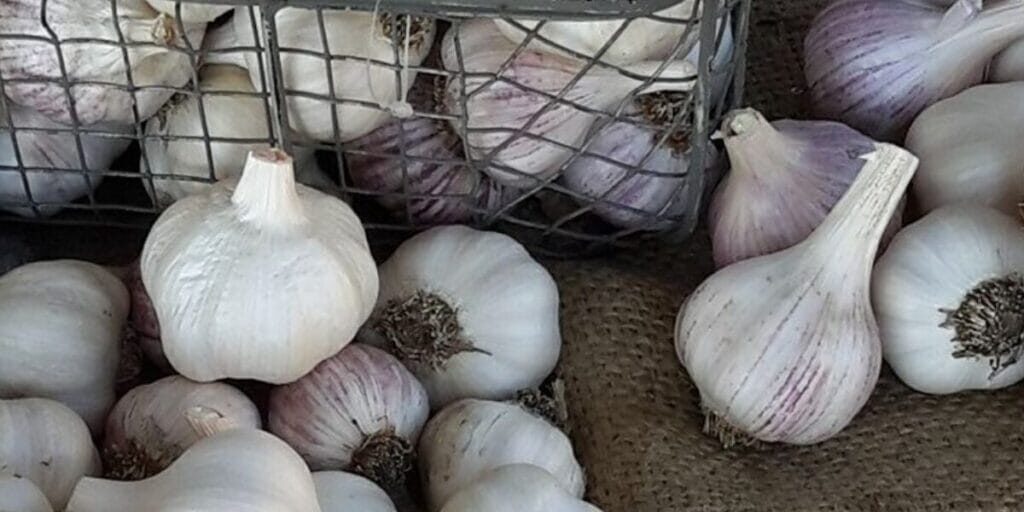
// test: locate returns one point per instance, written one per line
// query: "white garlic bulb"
(153, 424)
(369, 45)
(470, 437)
(516, 488)
(190, 12)
(47, 443)
(60, 335)
(951, 320)
(1008, 66)
(784, 347)
(155, 64)
(499, 114)
(240, 470)
(469, 312)
(258, 278)
(52, 153)
(345, 492)
(360, 411)
(19, 494)
(970, 149)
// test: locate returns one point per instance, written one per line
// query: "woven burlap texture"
(634, 416)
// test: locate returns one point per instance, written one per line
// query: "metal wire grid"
(571, 230)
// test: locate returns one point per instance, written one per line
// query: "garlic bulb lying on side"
(469, 312)
(516, 488)
(470, 437)
(292, 281)
(499, 114)
(345, 492)
(54, 154)
(154, 424)
(784, 347)
(1008, 66)
(190, 13)
(19, 494)
(951, 320)
(970, 149)
(360, 411)
(60, 335)
(48, 444)
(785, 178)
(240, 470)
(369, 45)
(155, 63)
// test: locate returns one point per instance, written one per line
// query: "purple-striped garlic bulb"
(360, 411)
(785, 178)
(143, 320)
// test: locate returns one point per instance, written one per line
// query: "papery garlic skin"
(949, 319)
(784, 347)
(1008, 66)
(516, 488)
(244, 470)
(785, 177)
(50, 150)
(19, 494)
(60, 335)
(346, 492)
(190, 13)
(154, 424)
(364, 41)
(970, 149)
(155, 66)
(499, 114)
(470, 437)
(359, 410)
(469, 312)
(292, 281)
(48, 444)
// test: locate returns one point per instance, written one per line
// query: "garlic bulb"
(18, 494)
(54, 156)
(786, 176)
(190, 12)
(363, 78)
(345, 492)
(516, 488)
(642, 38)
(499, 114)
(470, 437)
(970, 149)
(360, 410)
(469, 312)
(154, 424)
(637, 181)
(60, 335)
(46, 443)
(156, 64)
(950, 320)
(243, 470)
(784, 347)
(241, 116)
(291, 281)
(1008, 66)
(876, 64)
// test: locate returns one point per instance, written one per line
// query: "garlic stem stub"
(953, 320)
(785, 347)
(469, 312)
(359, 411)
(876, 64)
(785, 177)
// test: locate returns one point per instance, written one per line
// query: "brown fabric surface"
(634, 416)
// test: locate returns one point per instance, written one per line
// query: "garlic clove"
(47, 443)
(19, 494)
(484, 327)
(949, 320)
(345, 492)
(360, 411)
(154, 424)
(516, 488)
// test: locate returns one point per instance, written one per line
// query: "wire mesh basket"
(576, 125)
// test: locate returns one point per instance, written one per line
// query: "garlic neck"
(754, 145)
(384, 458)
(423, 329)
(266, 193)
(99, 495)
(989, 322)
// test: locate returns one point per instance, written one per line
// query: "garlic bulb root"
(989, 323)
(423, 329)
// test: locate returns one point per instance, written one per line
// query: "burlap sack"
(637, 427)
